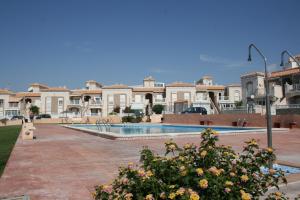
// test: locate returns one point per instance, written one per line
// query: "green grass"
(8, 137)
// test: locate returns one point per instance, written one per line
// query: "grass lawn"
(8, 137)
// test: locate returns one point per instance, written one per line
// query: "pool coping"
(115, 136)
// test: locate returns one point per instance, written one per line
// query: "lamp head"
(281, 64)
(249, 58)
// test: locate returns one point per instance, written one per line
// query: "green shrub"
(207, 171)
(4, 121)
(127, 119)
(117, 109)
(158, 108)
(128, 110)
(35, 110)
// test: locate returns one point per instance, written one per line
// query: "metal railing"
(103, 125)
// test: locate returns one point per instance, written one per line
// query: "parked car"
(199, 110)
(41, 116)
(16, 117)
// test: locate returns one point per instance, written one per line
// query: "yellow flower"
(187, 146)
(269, 150)
(149, 197)
(245, 196)
(183, 171)
(94, 194)
(272, 171)
(203, 183)
(199, 171)
(244, 178)
(172, 195)
(252, 142)
(162, 195)
(203, 154)
(227, 190)
(128, 196)
(141, 172)
(215, 171)
(180, 191)
(232, 174)
(172, 186)
(215, 133)
(149, 173)
(194, 196)
(172, 147)
(228, 183)
(278, 194)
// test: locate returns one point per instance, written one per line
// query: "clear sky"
(59, 42)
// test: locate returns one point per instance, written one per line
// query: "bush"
(157, 109)
(117, 109)
(35, 110)
(4, 121)
(127, 119)
(209, 171)
(131, 119)
(128, 110)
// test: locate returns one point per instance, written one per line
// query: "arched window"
(249, 88)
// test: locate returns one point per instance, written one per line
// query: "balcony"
(75, 102)
(159, 101)
(292, 90)
(95, 104)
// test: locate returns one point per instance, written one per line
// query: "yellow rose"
(172, 195)
(199, 171)
(163, 195)
(180, 191)
(194, 196)
(246, 196)
(244, 178)
(269, 150)
(228, 183)
(203, 183)
(203, 154)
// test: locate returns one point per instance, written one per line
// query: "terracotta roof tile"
(5, 91)
(148, 89)
(180, 84)
(116, 86)
(209, 87)
(285, 72)
(28, 94)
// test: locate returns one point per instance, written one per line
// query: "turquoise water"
(130, 129)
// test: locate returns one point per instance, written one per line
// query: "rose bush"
(209, 171)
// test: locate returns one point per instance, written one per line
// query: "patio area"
(65, 164)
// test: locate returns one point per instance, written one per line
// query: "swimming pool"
(135, 130)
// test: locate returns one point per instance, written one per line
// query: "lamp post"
(268, 107)
(286, 52)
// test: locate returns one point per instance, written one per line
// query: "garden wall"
(254, 120)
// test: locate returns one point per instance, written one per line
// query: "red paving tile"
(66, 164)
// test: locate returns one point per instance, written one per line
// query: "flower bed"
(209, 171)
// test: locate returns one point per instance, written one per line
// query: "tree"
(117, 109)
(34, 110)
(158, 108)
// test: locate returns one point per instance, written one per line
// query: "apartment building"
(98, 100)
(284, 87)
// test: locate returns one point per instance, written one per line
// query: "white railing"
(223, 98)
(75, 102)
(160, 100)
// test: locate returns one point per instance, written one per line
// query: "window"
(186, 96)
(249, 89)
(237, 95)
(1, 102)
(13, 104)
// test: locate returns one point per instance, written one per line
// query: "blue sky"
(59, 42)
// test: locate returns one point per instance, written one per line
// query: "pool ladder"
(103, 125)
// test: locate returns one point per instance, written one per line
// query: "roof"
(116, 86)
(285, 72)
(253, 74)
(56, 89)
(5, 91)
(28, 94)
(209, 87)
(81, 92)
(149, 78)
(14, 99)
(93, 81)
(180, 84)
(234, 85)
(148, 89)
(39, 85)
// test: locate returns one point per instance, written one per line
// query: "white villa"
(98, 100)
(284, 89)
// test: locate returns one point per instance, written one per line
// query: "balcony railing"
(288, 106)
(223, 98)
(75, 102)
(160, 100)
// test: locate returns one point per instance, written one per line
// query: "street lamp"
(268, 108)
(292, 57)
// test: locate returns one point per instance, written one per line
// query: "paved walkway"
(65, 164)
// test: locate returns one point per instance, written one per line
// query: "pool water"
(286, 169)
(135, 129)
